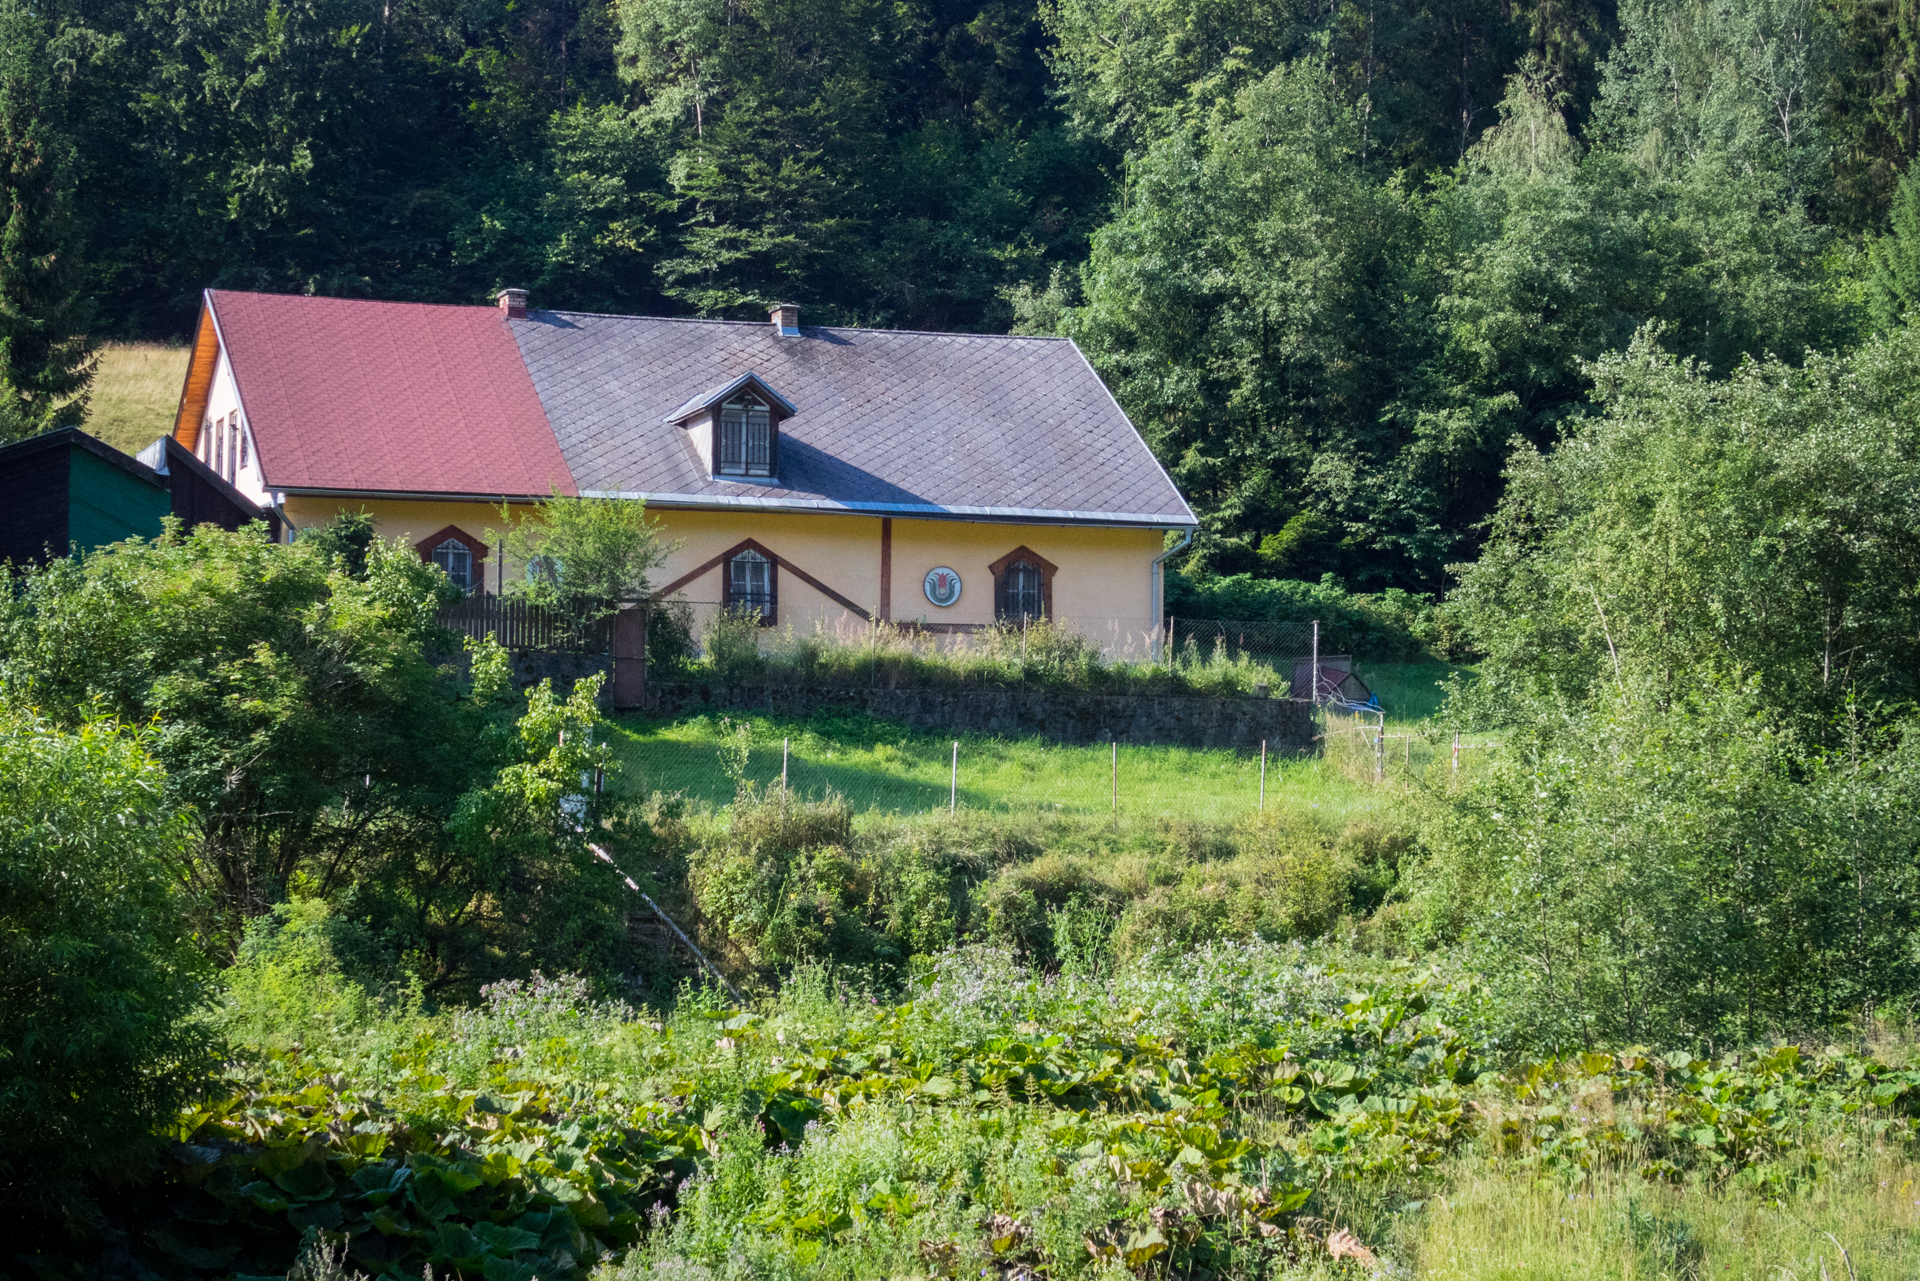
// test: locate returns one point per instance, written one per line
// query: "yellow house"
(818, 475)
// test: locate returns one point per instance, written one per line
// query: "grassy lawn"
(135, 393)
(881, 766)
(1409, 692)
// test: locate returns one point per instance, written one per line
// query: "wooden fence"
(522, 625)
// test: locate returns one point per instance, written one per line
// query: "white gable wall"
(225, 437)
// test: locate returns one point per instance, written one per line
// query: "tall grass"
(135, 392)
(735, 649)
(1493, 1220)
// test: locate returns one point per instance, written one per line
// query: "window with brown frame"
(460, 555)
(746, 438)
(1022, 586)
(752, 584)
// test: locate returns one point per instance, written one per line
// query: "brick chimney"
(514, 303)
(786, 319)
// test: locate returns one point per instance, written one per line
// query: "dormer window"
(734, 428)
(746, 437)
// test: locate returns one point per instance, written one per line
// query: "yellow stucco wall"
(1101, 587)
(410, 519)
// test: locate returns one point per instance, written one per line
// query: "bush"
(304, 972)
(1383, 626)
(99, 980)
(779, 884)
(1678, 871)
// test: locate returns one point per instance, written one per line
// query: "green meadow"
(878, 766)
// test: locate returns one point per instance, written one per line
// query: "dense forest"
(1335, 258)
(1568, 338)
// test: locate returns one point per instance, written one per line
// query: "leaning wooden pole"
(681, 934)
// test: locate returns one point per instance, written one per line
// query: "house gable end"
(198, 386)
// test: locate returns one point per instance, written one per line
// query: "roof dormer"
(736, 428)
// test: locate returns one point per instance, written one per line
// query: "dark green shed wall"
(106, 503)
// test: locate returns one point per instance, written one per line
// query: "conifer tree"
(46, 357)
(1895, 283)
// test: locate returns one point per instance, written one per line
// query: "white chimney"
(514, 303)
(786, 319)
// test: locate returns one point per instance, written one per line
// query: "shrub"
(779, 884)
(1676, 870)
(732, 646)
(671, 646)
(99, 980)
(303, 971)
(583, 555)
(1392, 624)
(1290, 880)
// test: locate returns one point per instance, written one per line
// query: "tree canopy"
(1333, 259)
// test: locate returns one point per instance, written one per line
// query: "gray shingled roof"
(887, 422)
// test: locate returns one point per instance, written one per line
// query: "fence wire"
(901, 772)
(1281, 646)
(1362, 747)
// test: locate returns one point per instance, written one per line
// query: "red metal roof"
(387, 397)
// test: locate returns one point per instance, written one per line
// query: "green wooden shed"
(65, 489)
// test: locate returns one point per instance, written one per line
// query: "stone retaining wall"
(530, 666)
(1242, 723)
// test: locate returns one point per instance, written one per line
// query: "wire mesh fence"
(1288, 648)
(891, 770)
(523, 625)
(1360, 746)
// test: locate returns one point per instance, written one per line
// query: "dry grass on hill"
(135, 393)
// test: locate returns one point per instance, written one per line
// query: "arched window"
(456, 558)
(746, 438)
(1022, 586)
(750, 585)
(1019, 592)
(460, 554)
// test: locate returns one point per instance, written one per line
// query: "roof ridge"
(845, 329)
(621, 315)
(370, 302)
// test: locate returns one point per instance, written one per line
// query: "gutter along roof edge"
(932, 511)
(410, 495)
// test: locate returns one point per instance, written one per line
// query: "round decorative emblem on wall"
(943, 586)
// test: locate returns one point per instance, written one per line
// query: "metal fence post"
(953, 782)
(1263, 776)
(1315, 695)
